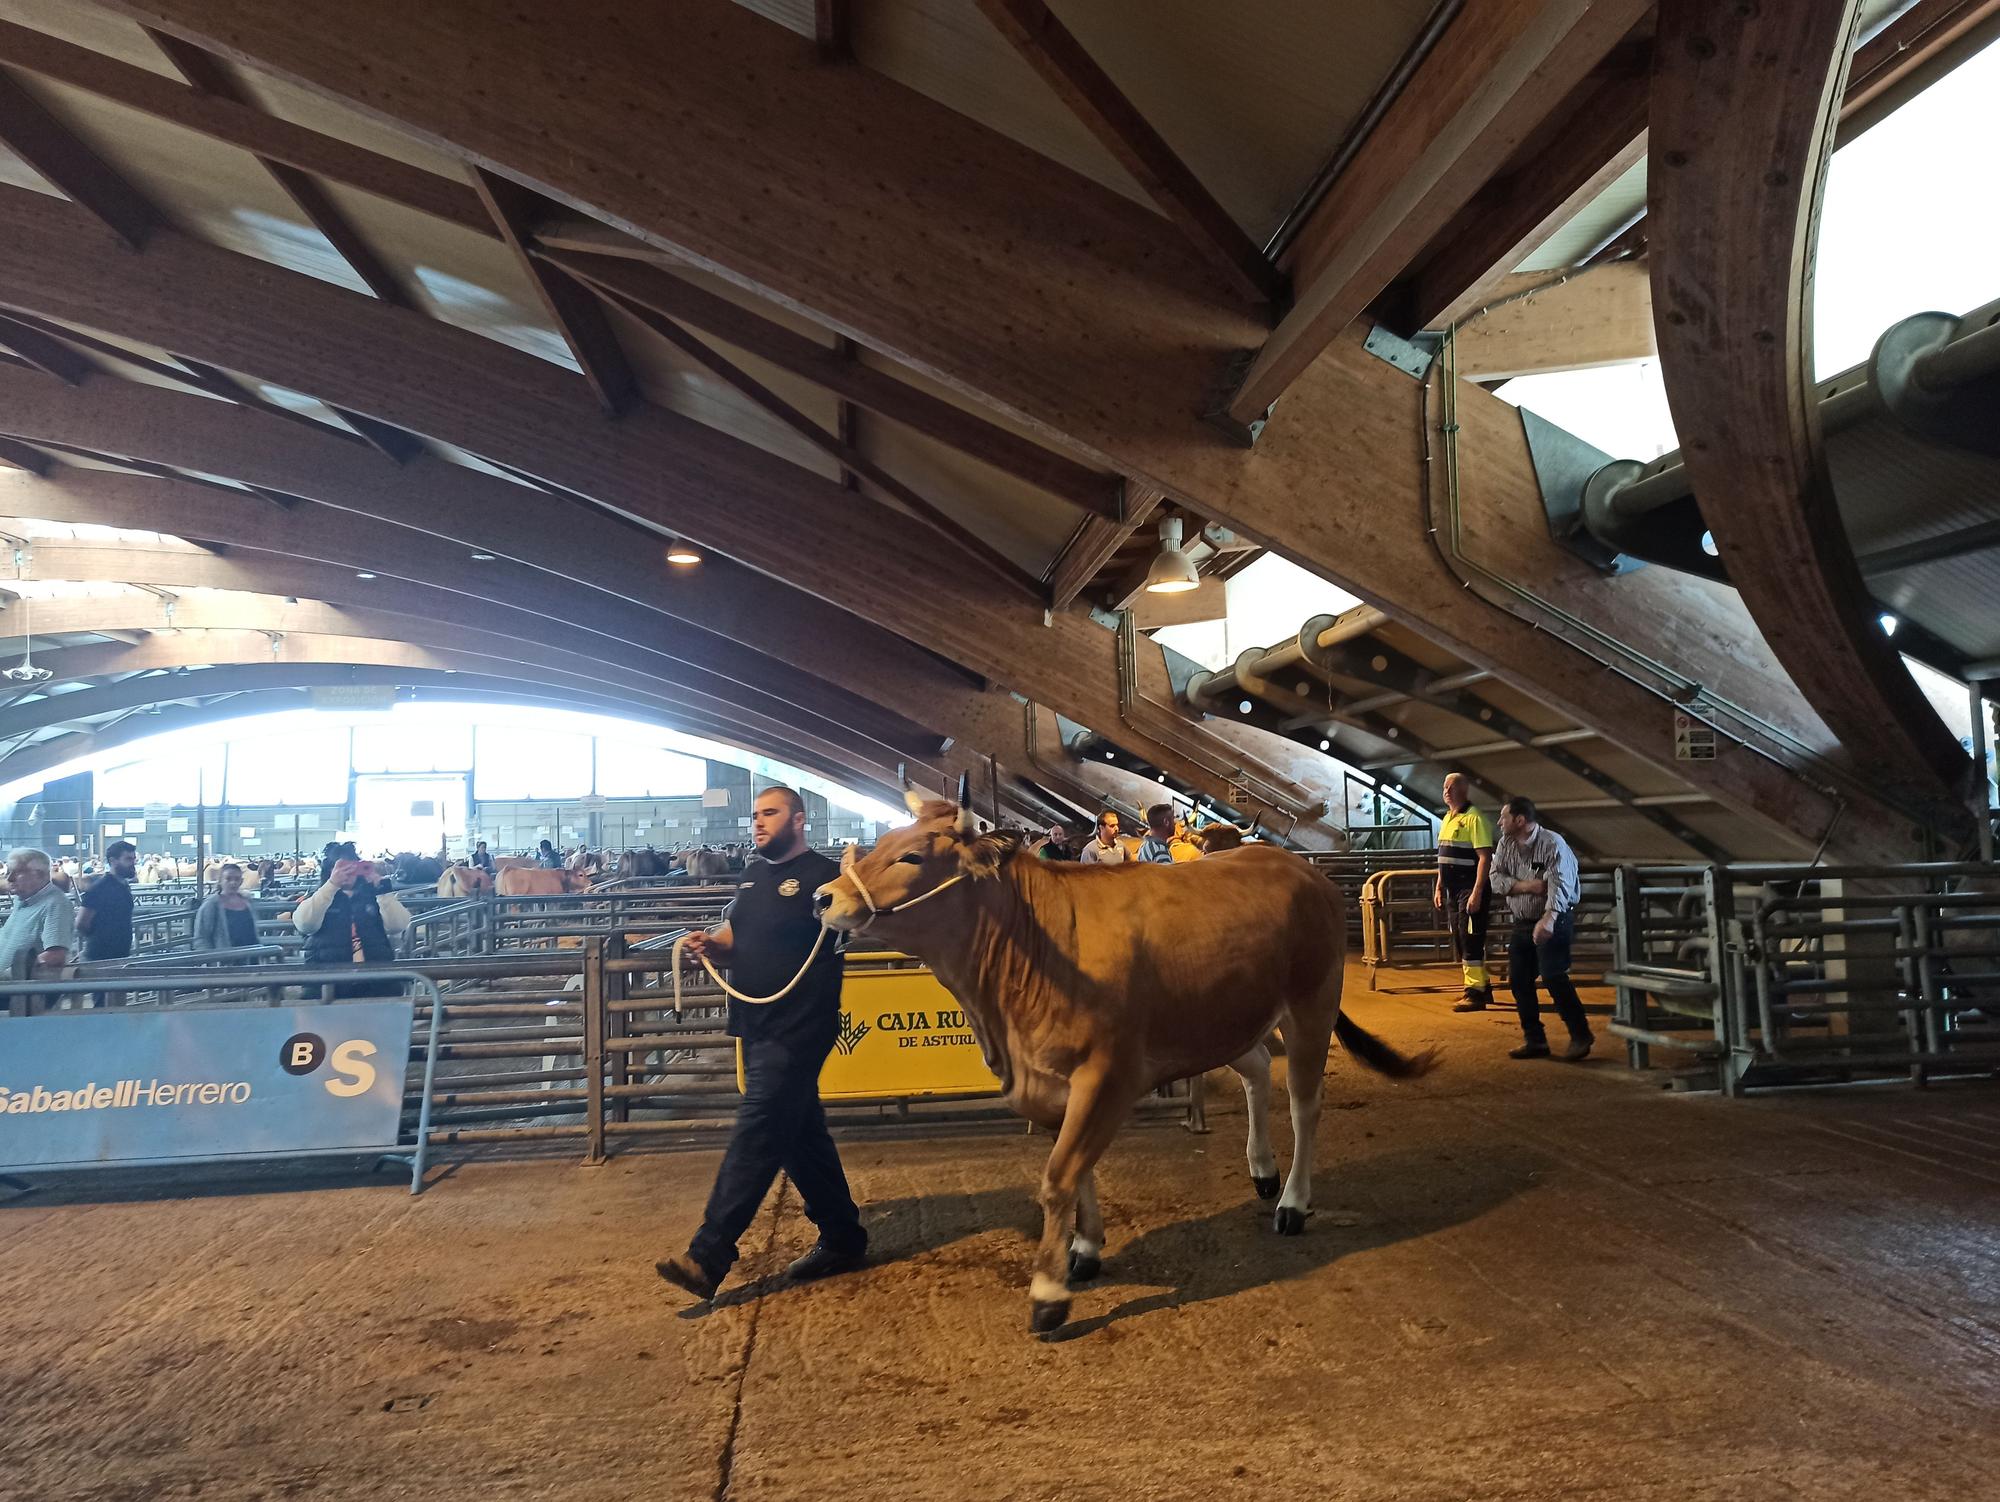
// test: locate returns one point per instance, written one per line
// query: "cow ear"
(986, 854)
(982, 856)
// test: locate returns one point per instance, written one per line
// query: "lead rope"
(853, 875)
(729, 990)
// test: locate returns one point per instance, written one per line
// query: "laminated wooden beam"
(1089, 329)
(1744, 104)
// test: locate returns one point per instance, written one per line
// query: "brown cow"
(521, 881)
(1088, 986)
(461, 880)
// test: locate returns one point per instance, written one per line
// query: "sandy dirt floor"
(1522, 1280)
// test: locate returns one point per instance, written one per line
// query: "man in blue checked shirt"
(1535, 871)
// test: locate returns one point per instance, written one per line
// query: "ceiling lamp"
(682, 554)
(1172, 572)
(25, 671)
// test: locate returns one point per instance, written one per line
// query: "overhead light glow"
(1173, 572)
(1889, 624)
(482, 557)
(682, 554)
(364, 574)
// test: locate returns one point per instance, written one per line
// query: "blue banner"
(112, 1086)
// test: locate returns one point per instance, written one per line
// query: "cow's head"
(943, 845)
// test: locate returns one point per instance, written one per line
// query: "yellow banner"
(901, 1035)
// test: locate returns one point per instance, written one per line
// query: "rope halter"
(850, 867)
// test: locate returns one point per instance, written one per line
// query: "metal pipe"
(1286, 656)
(1969, 357)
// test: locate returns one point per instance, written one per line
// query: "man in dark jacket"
(767, 937)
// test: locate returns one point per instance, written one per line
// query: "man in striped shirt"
(1535, 871)
(1465, 852)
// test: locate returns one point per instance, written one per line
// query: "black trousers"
(1527, 960)
(1468, 935)
(780, 1125)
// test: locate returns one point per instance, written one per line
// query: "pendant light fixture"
(1173, 572)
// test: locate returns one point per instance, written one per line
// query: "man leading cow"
(771, 938)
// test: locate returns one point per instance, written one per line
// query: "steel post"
(593, 1046)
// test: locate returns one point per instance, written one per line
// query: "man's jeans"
(780, 1125)
(1526, 960)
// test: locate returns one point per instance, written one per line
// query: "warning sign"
(1694, 740)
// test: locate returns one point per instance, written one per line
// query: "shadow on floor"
(1409, 1194)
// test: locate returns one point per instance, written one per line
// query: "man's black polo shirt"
(774, 928)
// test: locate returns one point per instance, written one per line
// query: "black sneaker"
(824, 1262)
(688, 1274)
(1529, 1051)
(1473, 1001)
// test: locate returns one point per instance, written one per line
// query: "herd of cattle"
(522, 876)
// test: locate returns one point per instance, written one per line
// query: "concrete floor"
(1523, 1280)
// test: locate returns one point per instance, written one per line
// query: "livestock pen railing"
(1400, 924)
(565, 1028)
(1789, 974)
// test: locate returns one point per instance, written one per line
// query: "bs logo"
(305, 1052)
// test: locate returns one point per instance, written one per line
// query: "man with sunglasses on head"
(1103, 847)
(767, 937)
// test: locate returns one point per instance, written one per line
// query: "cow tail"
(1379, 1056)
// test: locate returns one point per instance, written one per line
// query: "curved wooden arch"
(516, 410)
(246, 703)
(1744, 102)
(382, 664)
(428, 516)
(1093, 331)
(237, 626)
(221, 648)
(173, 569)
(496, 596)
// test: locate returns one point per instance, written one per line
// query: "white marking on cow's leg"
(1086, 1247)
(1305, 1068)
(1090, 1121)
(1255, 1068)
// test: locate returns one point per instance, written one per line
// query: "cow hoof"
(1049, 1316)
(1290, 1222)
(1266, 1186)
(1083, 1268)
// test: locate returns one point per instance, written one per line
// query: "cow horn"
(968, 825)
(913, 800)
(847, 858)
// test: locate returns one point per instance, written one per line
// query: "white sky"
(1906, 228)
